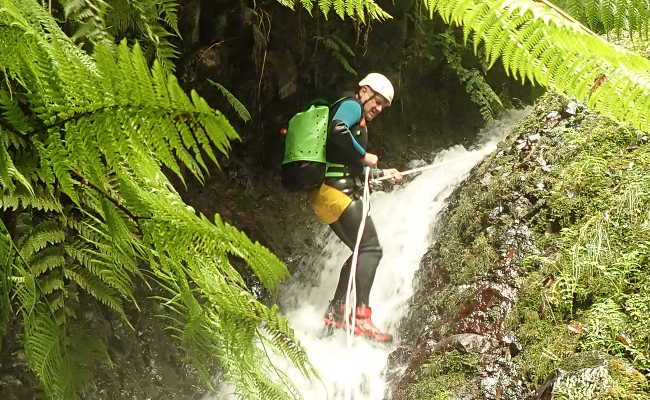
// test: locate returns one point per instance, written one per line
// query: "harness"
(336, 173)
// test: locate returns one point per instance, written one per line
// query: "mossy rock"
(594, 375)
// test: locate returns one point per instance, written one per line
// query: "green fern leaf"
(44, 351)
(308, 5)
(234, 102)
(325, 6)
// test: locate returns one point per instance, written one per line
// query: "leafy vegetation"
(597, 280)
(536, 43)
(87, 210)
(356, 9)
(152, 23)
(87, 128)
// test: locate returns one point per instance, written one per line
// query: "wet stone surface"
(469, 278)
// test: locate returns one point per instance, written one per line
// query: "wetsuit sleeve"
(340, 136)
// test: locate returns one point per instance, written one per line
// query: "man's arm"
(341, 139)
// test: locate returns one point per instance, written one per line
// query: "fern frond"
(338, 49)
(46, 260)
(96, 288)
(90, 18)
(101, 129)
(9, 172)
(148, 17)
(6, 285)
(234, 102)
(355, 9)
(292, 4)
(325, 6)
(608, 16)
(538, 43)
(307, 5)
(41, 235)
(44, 351)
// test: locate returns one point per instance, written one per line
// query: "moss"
(627, 383)
(444, 376)
(581, 189)
(546, 345)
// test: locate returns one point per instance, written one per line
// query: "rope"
(410, 171)
(419, 169)
(351, 294)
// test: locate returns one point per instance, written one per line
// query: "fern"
(537, 43)
(89, 17)
(44, 352)
(357, 10)
(611, 16)
(154, 20)
(153, 23)
(6, 284)
(339, 50)
(479, 91)
(84, 141)
(236, 104)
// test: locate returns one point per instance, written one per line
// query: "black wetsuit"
(345, 173)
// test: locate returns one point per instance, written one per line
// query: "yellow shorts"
(328, 203)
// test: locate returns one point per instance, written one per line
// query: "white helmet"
(379, 84)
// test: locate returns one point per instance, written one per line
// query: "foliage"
(536, 43)
(88, 212)
(358, 10)
(152, 23)
(439, 377)
(435, 46)
(593, 290)
(339, 50)
(234, 102)
(616, 16)
(478, 90)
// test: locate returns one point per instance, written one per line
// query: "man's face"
(374, 103)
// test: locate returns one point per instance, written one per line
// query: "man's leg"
(370, 252)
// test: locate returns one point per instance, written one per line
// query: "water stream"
(403, 218)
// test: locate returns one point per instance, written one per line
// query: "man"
(336, 201)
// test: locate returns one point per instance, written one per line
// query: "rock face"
(489, 319)
(594, 375)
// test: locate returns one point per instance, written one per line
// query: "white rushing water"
(403, 218)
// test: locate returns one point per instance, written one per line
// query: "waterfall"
(404, 218)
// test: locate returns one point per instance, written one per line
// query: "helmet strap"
(369, 98)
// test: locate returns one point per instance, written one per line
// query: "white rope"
(415, 170)
(351, 294)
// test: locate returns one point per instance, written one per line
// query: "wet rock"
(520, 237)
(551, 120)
(521, 207)
(573, 107)
(593, 375)
(468, 342)
(485, 311)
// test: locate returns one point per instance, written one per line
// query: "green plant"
(355, 9)
(472, 79)
(610, 15)
(151, 23)
(537, 43)
(339, 50)
(87, 211)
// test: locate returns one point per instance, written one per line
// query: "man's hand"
(393, 174)
(370, 160)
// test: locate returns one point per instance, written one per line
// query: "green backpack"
(303, 162)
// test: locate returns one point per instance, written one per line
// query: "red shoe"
(365, 327)
(335, 317)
